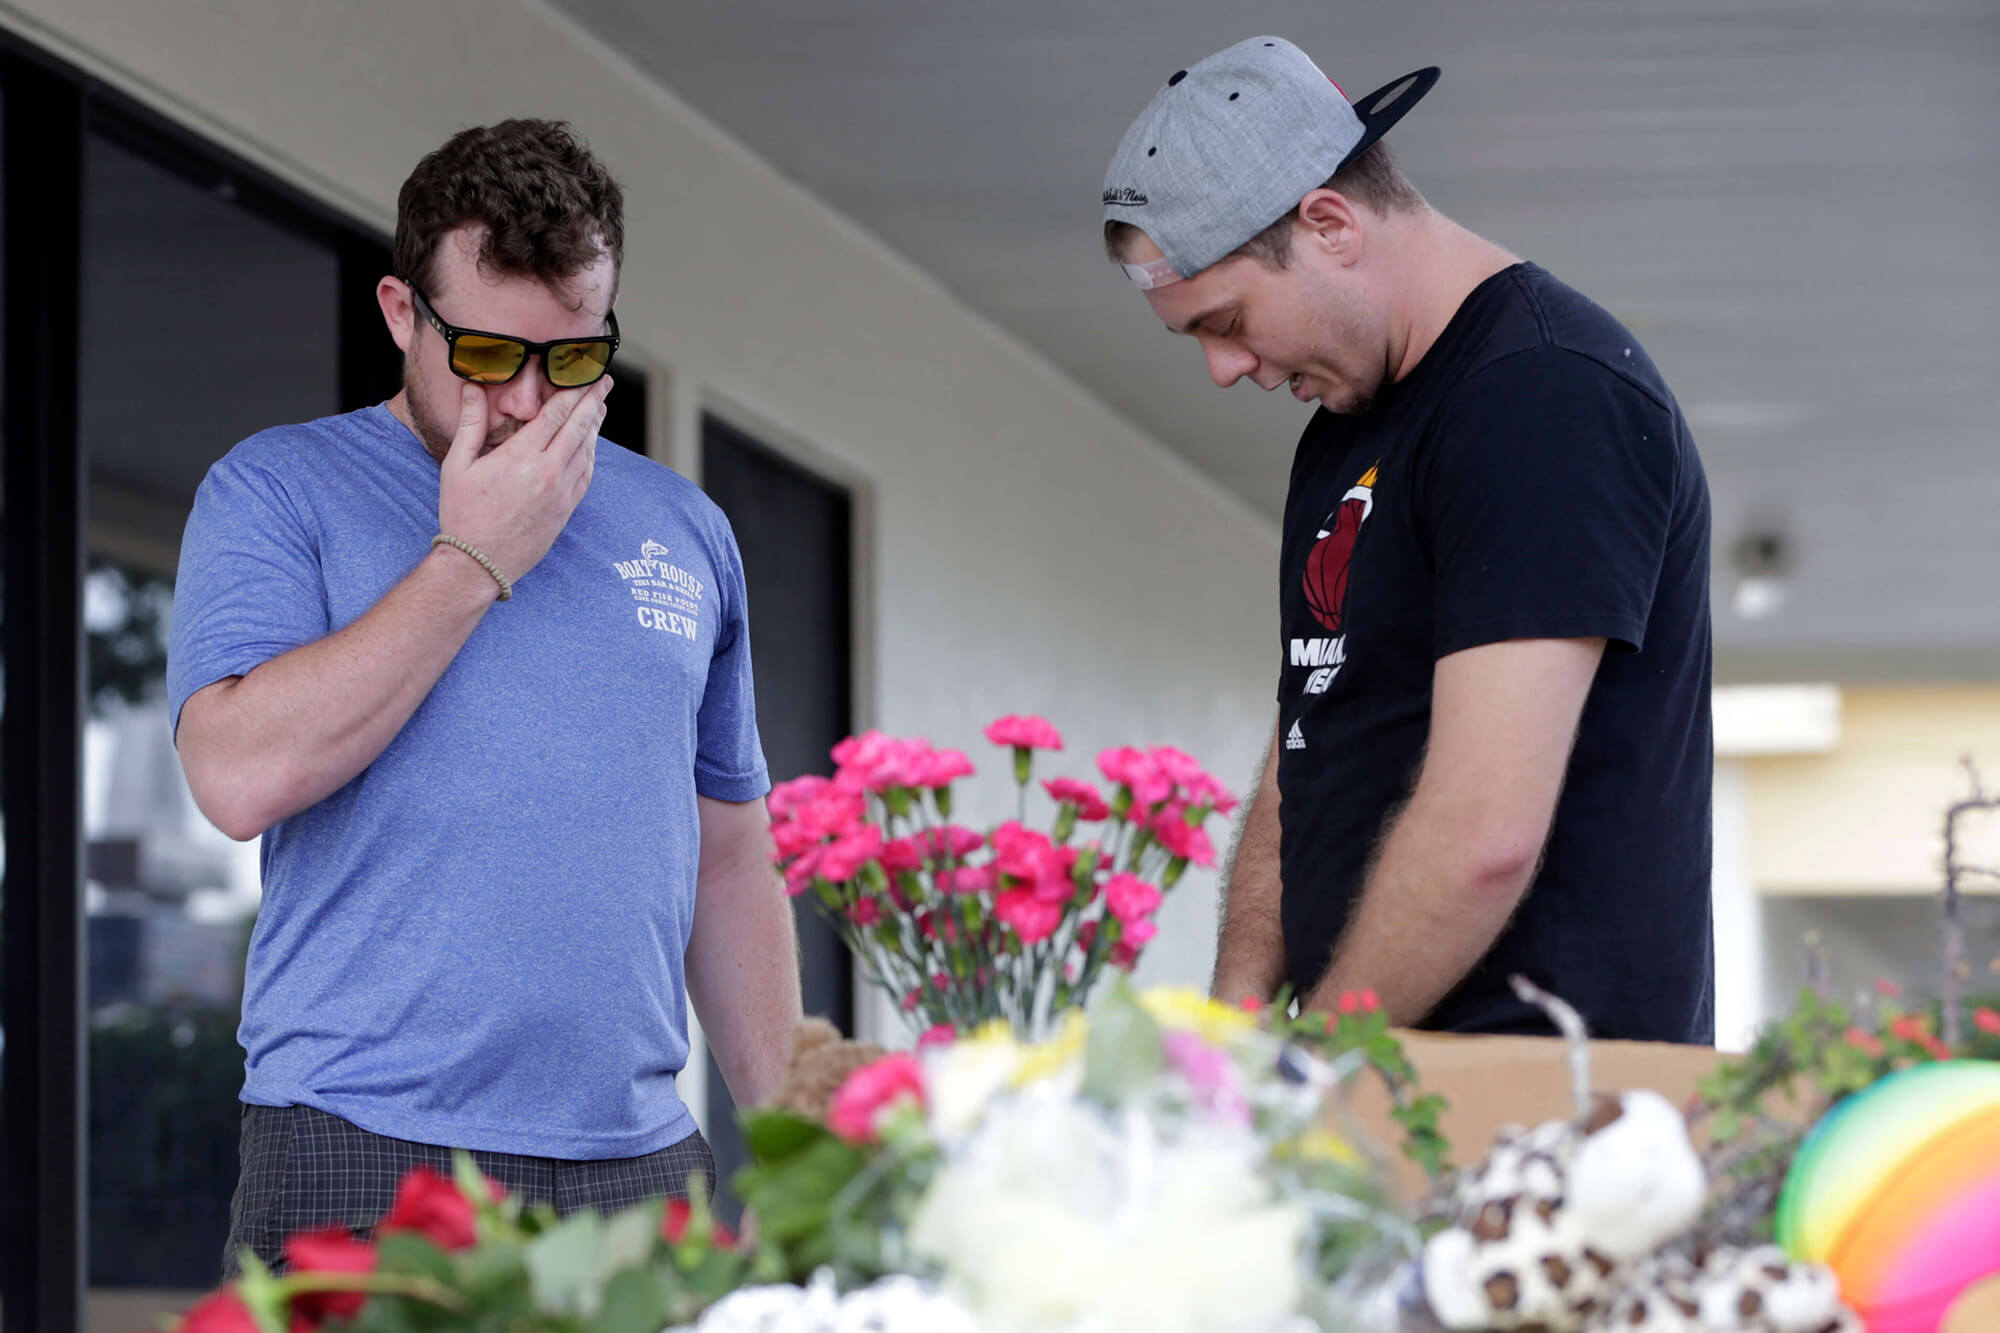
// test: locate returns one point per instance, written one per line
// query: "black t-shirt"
(1531, 478)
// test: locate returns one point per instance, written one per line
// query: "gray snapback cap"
(1229, 145)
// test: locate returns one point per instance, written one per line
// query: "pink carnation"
(1124, 955)
(1017, 849)
(938, 1034)
(866, 912)
(1189, 842)
(843, 860)
(900, 854)
(940, 768)
(1032, 919)
(793, 839)
(966, 879)
(786, 798)
(1139, 933)
(1084, 796)
(1086, 935)
(953, 840)
(1025, 733)
(833, 812)
(799, 874)
(872, 1094)
(1135, 770)
(1986, 1021)
(1130, 898)
(1207, 791)
(878, 762)
(1179, 766)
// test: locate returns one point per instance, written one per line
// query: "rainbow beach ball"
(1898, 1191)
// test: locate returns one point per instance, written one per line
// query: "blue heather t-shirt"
(479, 941)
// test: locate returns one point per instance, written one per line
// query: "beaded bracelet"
(506, 586)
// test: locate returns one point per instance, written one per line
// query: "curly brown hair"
(548, 207)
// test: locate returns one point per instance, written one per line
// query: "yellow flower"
(1319, 1144)
(1187, 1010)
(1055, 1056)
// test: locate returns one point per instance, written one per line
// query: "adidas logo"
(1295, 739)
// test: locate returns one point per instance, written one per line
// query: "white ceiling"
(1791, 202)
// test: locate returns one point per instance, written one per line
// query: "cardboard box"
(1489, 1082)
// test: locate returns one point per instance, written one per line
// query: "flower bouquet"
(1164, 1163)
(1013, 923)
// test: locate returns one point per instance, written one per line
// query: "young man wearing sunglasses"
(482, 683)
(1493, 748)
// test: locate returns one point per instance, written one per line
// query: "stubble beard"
(436, 436)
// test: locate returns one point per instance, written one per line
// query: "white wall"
(1028, 550)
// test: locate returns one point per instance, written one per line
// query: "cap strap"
(1154, 273)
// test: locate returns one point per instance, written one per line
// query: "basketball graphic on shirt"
(1333, 552)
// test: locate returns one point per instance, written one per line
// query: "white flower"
(963, 1077)
(1054, 1215)
(893, 1305)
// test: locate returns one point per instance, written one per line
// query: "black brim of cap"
(1386, 105)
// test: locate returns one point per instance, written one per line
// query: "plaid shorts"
(303, 1169)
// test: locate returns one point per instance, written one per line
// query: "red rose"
(674, 1221)
(433, 1206)
(223, 1312)
(333, 1250)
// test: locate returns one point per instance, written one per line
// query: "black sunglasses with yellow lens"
(495, 358)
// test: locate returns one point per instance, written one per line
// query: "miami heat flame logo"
(1333, 553)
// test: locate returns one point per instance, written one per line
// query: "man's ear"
(399, 312)
(1332, 221)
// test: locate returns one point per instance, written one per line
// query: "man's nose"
(1227, 364)
(522, 397)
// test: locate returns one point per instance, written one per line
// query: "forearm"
(1250, 944)
(263, 747)
(743, 973)
(1429, 911)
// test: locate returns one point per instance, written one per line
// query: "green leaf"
(409, 1252)
(1123, 1050)
(495, 1266)
(772, 1136)
(633, 1303)
(563, 1265)
(629, 1236)
(791, 1196)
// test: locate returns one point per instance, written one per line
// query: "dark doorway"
(795, 530)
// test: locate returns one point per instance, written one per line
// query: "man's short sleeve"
(729, 755)
(250, 587)
(1547, 500)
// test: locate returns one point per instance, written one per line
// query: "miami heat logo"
(1333, 553)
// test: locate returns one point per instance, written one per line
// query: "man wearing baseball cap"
(1493, 753)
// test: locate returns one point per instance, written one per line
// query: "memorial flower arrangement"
(1164, 1163)
(1015, 922)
